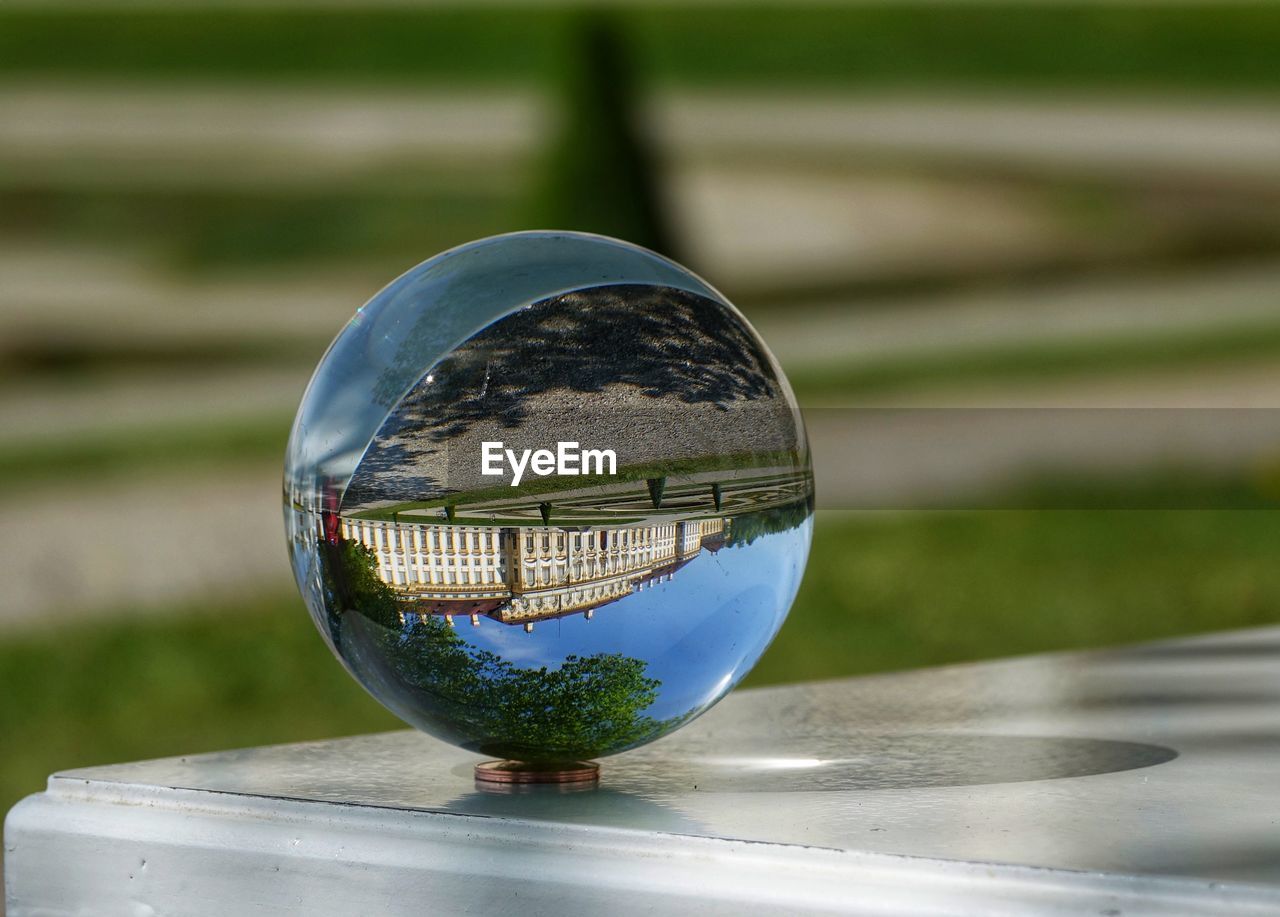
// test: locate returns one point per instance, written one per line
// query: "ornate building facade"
(526, 574)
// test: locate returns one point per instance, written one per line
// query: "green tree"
(743, 530)
(601, 173)
(656, 488)
(350, 572)
(588, 706)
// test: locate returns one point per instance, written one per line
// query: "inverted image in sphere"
(548, 496)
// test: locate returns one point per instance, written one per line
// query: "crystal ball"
(548, 496)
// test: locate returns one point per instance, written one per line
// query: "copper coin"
(523, 772)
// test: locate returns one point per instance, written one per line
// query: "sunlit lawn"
(1138, 45)
(883, 591)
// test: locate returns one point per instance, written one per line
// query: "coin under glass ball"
(548, 496)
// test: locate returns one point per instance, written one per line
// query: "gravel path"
(311, 131)
(1088, 312)
(134, 546)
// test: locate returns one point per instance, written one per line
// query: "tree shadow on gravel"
(667, 345)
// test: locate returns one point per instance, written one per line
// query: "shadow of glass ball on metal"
(548, 496)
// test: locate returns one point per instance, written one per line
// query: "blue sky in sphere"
(698, 634)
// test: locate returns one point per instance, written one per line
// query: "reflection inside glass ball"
(577, 530)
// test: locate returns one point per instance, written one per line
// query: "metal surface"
(1129, 781)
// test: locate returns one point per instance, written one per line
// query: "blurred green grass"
(193, 447)
(198, 230)
(1137, 45)
(883, 591)
(1229, 344)
(894, 590)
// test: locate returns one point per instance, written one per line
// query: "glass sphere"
(548, 496)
